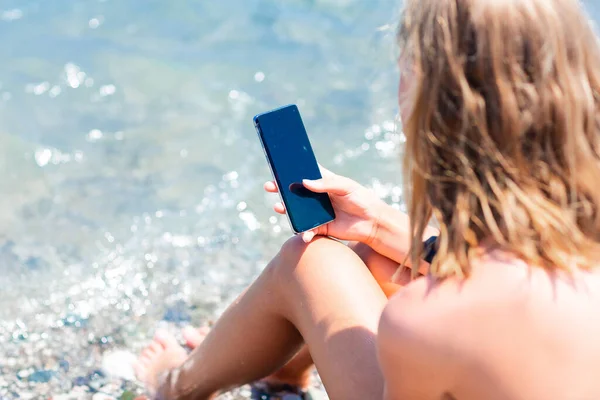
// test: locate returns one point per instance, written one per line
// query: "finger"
(279, 208)
(308, 236)
(270, 187)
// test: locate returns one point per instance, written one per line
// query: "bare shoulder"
(428, 306)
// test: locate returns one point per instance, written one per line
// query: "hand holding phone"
(338, 206)
(358, 209)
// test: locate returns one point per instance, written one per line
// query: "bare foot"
(162, 355)
(296, 373)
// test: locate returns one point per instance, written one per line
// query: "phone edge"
(262, 144)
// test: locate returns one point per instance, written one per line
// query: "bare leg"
(298, 370)
(321, 294)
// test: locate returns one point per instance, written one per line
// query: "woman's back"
(510, 331)
(536, 336)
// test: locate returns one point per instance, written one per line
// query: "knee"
(296, 249)
(295, 255)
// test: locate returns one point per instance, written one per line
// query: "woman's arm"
(361, 216)
(392, 236)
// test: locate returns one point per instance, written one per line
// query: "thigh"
(335, 303)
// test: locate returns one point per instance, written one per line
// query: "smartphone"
(291, 159)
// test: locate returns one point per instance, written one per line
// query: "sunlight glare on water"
(131, 175)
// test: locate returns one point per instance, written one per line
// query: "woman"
(501, 108)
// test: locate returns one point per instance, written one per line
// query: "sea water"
(131, 175)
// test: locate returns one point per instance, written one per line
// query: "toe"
(156, 347)
(144, 358)
(139, 368)
(203, 331)
(193, 337)
(152, 364)
(165, 340)
(148, 352)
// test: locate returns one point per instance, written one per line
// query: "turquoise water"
(130, 173)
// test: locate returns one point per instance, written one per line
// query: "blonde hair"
(503, 138)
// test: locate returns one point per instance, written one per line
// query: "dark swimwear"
(430, 249)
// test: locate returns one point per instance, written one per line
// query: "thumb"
(308, 236)
(314, 185)
(334, 184)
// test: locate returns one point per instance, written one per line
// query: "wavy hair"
(503, 137)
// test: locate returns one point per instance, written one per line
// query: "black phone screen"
(291, 158)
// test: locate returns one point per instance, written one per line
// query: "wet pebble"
(106, 341)
(103, 396)
(95, 385)
(111, 388)
(119, 364)
(80, 389)
(177, 313)
(24, 373)
(81, 381)
(128, 395)
(64, 365)
(63, 397)
(74, 321)
(41, 376)
(96, 374)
